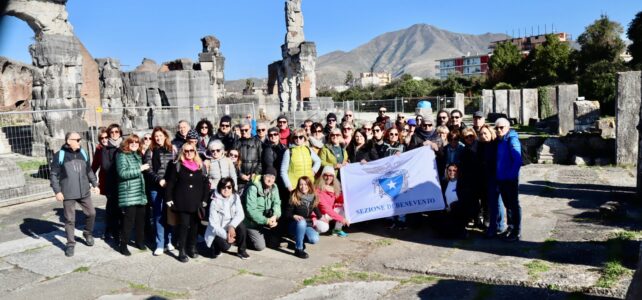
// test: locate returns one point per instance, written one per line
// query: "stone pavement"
(566, 243)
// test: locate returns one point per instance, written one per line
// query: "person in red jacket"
(284, 129)
(331, 201)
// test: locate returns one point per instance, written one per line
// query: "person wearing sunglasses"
(225, 227)
(302, 213)
(298, 160)
(250, 155)
(205, 135)
(379, 140)
(382, 118)
(347, 131)
(97, 159)
(225, 134)
(367, 126)
(425, 135)
(359, 150)
(147, 141)
(284, 129)
(330, 123)
(159, 156)
(261, 132)
(113, 214)
(181, 134)
(456, 120)
(132, 195)
(272, 156)
(187, 190)
(469, 177)
(509, 162)
(221, 166)
(333, 154)
(443, 118)
(72, 179)
(494, 212)
(349, 117)
(395, 147)
(328, 189)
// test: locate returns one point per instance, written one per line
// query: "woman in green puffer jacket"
(131, 192)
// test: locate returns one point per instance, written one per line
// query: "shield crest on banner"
(391, 184)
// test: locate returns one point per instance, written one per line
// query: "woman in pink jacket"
(331, 201)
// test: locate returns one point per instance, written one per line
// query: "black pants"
(113, 217)
(221, 244)
(187, 230)
(133, 216)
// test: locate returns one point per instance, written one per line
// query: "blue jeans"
(302, 232)
(496, 210)
(163, 232)
(508, 189)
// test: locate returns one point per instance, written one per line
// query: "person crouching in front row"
(226, 220)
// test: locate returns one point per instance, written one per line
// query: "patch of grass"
(161, 293)
(419, 279)
(383, 242)
(30, 165)
(626, 235)
(245, 272)
(612, 271)
(82, 269)
(536, 267)
(549, 244)
(33, 250)
(484, 291)
(340, 273)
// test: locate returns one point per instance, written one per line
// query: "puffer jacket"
(228, 140)
(258, 201)
(221, 168)
(509, 156)
(250, 153)
(273, 155)
(328, 159)
(224, 212)
(131, 185)
(298, 161)
(158, 160)
(74, 177)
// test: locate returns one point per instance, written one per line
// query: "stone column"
(459, 102)
(627, 117)
(501, 102)
(529, 107)
(566, 95)
(514, 104)
(487, 105)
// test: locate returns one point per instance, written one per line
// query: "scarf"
(426, 135)
(315, 143)
(190, 164)
(116, 143)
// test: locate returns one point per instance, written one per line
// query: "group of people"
(253, 186)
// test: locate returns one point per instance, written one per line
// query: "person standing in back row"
(509, 161)
(71, 180)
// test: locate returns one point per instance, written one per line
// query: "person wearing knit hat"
(262, 210)
(331, 203)
(192, 137)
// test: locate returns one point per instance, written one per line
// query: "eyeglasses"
(147, 138)
(189, 150)
(382, 111)
(228, 187)
(261, 129)
(406, 129)
(335, 135)
(115, 131)
(225, 125)
(328, 175)
(216, 150)
(500, 127)
(347, 129)
(77, 140)
(104, 137)
(283, 122)
(248, 117)
(455, 117)
(318, 131)
(245, 130)
(443, 117)
(332, 120)
(300, 137)
(274, 134)
(367, 129)
(377, 130)
(469, 136)
(401, 117)
(426, 125)
(348, 115)
(394, 134)
(234, 155)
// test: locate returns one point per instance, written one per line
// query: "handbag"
(171, 217)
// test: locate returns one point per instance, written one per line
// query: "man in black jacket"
(272, 156)
(71, 179)
(250, 153)
(225, 133)
(181, 135)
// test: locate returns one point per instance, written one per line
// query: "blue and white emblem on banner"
(391, 184)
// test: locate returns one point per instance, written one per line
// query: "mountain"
(412, 50)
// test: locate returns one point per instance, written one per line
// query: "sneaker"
(243, 254)
(513, 237)
(69, 251)
(158, 251)
(89, 239)
(300, 254)
(339, 233)
(170, 247)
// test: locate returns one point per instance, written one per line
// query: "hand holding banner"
(398, 184)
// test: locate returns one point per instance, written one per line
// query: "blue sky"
(251, 31)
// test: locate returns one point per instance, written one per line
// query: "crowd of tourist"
(252, 185)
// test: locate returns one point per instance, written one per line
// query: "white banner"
(391, 186)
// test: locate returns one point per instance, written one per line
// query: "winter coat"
(394, 149)
(328, 201)
(178, 141)
(366, 152)
(420, 136)
(381, 148)
(285, 136)
(257, 202)
(96, 161)
(131, 185)
(272, 155)
(158, 160)
(298, 161)
(221, 168)
(224, 212)
(108, 165)
(305, 209)
(250, 154)
(188, 189)
(470, 170)
(453, 155)
(74, 177)
(509, 156)
(328, 159)
(228, 140)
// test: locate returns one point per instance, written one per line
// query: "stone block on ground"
(552, 151)
(582, 161)
(606, 127)
(566, 96)
(459, 101)
(587, 113)
(501, 101)
(514, 104)
(528, 107)
(11, 175)
(627, 116)
(487, 105)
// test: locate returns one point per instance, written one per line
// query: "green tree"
(503, 64)
(550, 63)
(349, 78)
(634, 33)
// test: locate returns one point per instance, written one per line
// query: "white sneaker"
(170, 247)
(158, 251)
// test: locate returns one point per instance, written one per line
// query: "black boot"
(124, 250)
(300, 253)
(192, 253)
(181, 256)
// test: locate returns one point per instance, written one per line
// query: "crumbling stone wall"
(16, 80)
